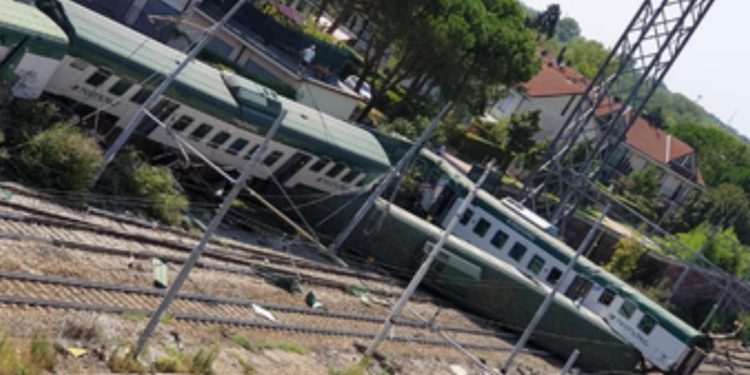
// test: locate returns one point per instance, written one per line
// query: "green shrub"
(157, 185)
(125, 363)
(624, 262)
(61, 158)
(203, 361)
(30, 118)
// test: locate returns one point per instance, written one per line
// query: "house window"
(141, 96)
(536, 264)
(607, 297)
(647, 324)
(466, 217)
(271, 159)
(517, 252)
(499, 239)
(237, 146)
(482, 227)
(121, 87)
(336, 170)
(219, 139)
(554, 275)
(201, 132)
(99, 77)
(182, 123)
(627, 309)
(320, 164)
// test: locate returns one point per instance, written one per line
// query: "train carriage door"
(579, 288)
(291, 167)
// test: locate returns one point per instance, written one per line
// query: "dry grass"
(83, 331)
(286, 346)
(360, 368)
(125, 363)
(32, 359)
(175, 361)
(247, 367)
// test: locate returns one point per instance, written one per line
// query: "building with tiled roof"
(555, 90)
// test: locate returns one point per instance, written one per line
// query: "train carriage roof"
(564, 253)
(128, 53)
(19, 20)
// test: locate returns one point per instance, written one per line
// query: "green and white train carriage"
(31, 47)
(510, 232)
(225, 116)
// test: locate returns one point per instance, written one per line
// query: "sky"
(711, 70)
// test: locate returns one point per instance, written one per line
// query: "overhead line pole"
(138, 117)
(333, 248)
(551, 296)
(239, 184)
(422, 271)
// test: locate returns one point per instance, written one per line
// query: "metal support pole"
(422, 271)
(198, 250)
(571, 361)
(336, 244)
(551, 296)
(136, 119)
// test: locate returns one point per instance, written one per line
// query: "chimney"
(561, 56)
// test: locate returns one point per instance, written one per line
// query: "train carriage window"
(554, 276)
(647, 324)
(237, 146)
(482, 227)
(627, 309)
(182, 123)
(607, 297)
(99, 77)
(121, 87)
(320, 164)
(336, 170)
(517, 252)
(141, 96)
(219, 139)
(499, 239)
(536, 265)
(271, 159)
(349, 177)
(251, 152)
(201, 132)
(466, 217)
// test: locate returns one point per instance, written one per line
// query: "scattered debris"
(312, 300)
(77, 352)
(264, 313)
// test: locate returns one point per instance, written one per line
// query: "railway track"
(20, 289)
(114, 242)
(729, 357)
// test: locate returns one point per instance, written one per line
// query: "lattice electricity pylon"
(613, 100)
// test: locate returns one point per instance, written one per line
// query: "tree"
(645, 182)
(464, 45)
(725, 205)
(546, 22)
(61, 158)
(520, 132)
(567, 30)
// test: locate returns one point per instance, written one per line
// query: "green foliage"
(309, 27)
(175, 361)
(645, 182)
(744, 335)
(724, 250)
(242, 341)
(725, 205)
(360, 368)
(247, 367)
(286, 346)
(446, 131)
(61, 158)
(157, 185)
(42, 352)
(567, 30)
(130, 175)
(624, 262)
(31, 118)
(203, 361)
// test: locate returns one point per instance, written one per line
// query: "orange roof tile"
(553, 80)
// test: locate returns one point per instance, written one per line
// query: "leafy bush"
(125, 363)
(624, 262)
(31, 118)
(157, 185)
(61, 158)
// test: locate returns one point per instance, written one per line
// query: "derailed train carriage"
(98, 63)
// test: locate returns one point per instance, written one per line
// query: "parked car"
(365, 90)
